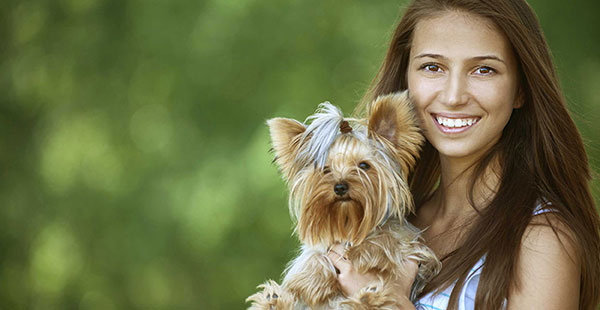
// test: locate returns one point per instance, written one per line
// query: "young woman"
(501, 188)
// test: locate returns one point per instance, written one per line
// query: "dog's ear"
(285, 137)
(393, 122)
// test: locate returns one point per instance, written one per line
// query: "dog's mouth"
(343, 198)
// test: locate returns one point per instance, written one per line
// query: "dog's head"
(346, 176)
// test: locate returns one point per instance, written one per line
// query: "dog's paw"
(371, 297)
(272, 297)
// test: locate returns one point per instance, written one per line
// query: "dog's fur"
(348, 184)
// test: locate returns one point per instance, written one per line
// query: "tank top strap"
(543, 206)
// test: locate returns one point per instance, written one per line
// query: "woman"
(501, 188)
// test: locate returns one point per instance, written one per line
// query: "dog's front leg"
(378, 295)
(378, 254)
(312, 278)
(271, 297)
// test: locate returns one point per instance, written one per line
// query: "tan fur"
(285, 137)
(372, 160)
(405, 135)
(272, 296)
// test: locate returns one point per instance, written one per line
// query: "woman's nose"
(454, 92)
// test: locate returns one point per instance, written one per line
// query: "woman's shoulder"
(547, 233)
(548, 268)
(547, 225)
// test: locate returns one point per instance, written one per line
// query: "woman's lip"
(454, 130)
(454, 115)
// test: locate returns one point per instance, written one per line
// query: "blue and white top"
(466, 299)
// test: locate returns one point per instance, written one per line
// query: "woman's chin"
(457, 152)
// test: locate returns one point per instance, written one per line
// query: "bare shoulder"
(548, 267)
(548, 231)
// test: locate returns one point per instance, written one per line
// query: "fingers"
(412, 268)
(338, 247)
(351, 281)
(339, 260)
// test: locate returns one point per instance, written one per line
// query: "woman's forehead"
(457, 35)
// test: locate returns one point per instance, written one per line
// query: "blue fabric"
(466, 300)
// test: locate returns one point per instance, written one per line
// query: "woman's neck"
(456, 175)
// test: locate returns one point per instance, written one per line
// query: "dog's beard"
(328, 218)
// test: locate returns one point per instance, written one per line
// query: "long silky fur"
(320, 134)
(313, 158)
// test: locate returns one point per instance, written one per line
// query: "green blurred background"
(135, 170)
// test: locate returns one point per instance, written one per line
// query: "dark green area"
(135, 170)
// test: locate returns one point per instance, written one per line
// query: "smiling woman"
(463, 71)
(502, 184)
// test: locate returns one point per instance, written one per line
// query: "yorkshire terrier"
(348, 184)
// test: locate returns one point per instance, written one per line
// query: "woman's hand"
(351, 281)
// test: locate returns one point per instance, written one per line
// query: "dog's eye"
(326, 170)
(364, 166)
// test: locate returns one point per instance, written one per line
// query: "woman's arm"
(352, 281)
(548, 269)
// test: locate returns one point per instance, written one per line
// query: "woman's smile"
(453, 124)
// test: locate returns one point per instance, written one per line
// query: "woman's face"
(462, 76)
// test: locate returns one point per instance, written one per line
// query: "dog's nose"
(341, 188)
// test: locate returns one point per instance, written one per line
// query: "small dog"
(348, 184)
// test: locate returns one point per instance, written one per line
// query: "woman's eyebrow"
(486, 57)
(438, 56)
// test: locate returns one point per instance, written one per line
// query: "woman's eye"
(431, 67)
(485, 70)
(364, 166)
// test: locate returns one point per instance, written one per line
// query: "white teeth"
(455, 122)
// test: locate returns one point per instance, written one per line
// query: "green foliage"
(136, 170)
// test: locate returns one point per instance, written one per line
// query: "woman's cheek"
(422, 92)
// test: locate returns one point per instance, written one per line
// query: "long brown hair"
(541, 154)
